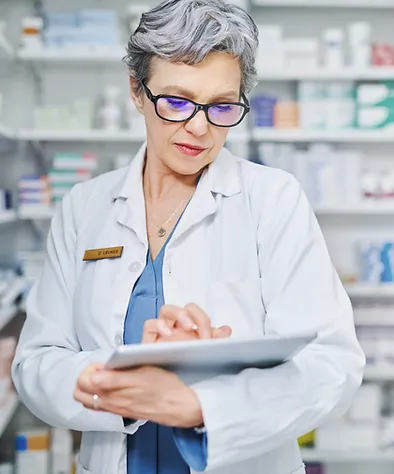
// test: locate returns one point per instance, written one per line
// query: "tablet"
(201, 359)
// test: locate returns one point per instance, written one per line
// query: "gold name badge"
(99, 254)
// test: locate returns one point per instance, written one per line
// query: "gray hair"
(186, 31)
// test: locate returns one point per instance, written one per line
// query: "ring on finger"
(96, 400)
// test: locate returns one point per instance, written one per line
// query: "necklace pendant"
(161, 232)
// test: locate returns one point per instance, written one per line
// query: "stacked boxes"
(69, 169)
(34, 193)
(83, 29)
(375, 105)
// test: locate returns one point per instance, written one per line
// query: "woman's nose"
(198, 125)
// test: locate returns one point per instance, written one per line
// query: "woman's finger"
(150, 332)
(201, 320)
(176, 316)
(221, 333)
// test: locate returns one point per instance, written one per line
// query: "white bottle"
(110, 114)
(333, 48)
(360, 44)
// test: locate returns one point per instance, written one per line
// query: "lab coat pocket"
(239, 304)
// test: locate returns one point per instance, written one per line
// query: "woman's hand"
(146, 393)
(151, 393)
(182, 324)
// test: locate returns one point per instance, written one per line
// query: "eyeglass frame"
(197, 107)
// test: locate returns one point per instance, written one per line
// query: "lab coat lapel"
(130, 193)
(220, 178)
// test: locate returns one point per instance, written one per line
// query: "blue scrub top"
(157, 449)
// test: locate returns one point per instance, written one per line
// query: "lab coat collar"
(221, 177)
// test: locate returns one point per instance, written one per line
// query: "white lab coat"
(249, 251)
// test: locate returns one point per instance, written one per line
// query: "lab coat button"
(135, 267)
(118, 340)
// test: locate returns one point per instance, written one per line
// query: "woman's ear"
(136, 95)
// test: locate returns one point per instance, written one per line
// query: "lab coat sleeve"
(48, 359)
(257, 410)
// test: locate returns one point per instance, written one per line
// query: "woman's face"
(216, 79)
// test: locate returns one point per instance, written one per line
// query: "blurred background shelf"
(36, 214)
(7, 216)
(7, 412)
(340, 136)
(6, 132)
(347, 73)
(99, 136)
(361, 210)
(366, 290)
(79, 135)
(78, 55)
(325, 3)
(379, 373)
(315, 455)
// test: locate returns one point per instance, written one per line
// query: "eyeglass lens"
(172, 108)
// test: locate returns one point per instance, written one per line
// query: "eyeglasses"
(178, 109)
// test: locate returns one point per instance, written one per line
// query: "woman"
(187, 222)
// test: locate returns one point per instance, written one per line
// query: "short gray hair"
(186, 31)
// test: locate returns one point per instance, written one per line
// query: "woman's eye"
(224, 108)
(177, 104)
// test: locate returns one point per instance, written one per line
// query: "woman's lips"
(189, 150)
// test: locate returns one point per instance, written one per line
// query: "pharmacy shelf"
(370, 291)
(372, 73)
(6, 132)
(7, 314)
(7, 412)
(7, 216)
(320, 456)
(325, 3)
(336, 136)
(37, 135)
(361, 210)
(379, 374)
(36, 214)
(74, 55)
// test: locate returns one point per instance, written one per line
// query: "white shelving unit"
(36, 214)
(370, 291)
(347, 73)
(379, 373)
(325, 3)
(75, 55)
(7, 314)
(315, 455)
(335, 136)
(37, 135)
(365, 210)
(7, 412)
(7, 216)
(6, 132)
(126, 136)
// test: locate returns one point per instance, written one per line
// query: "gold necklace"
(162, 231)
